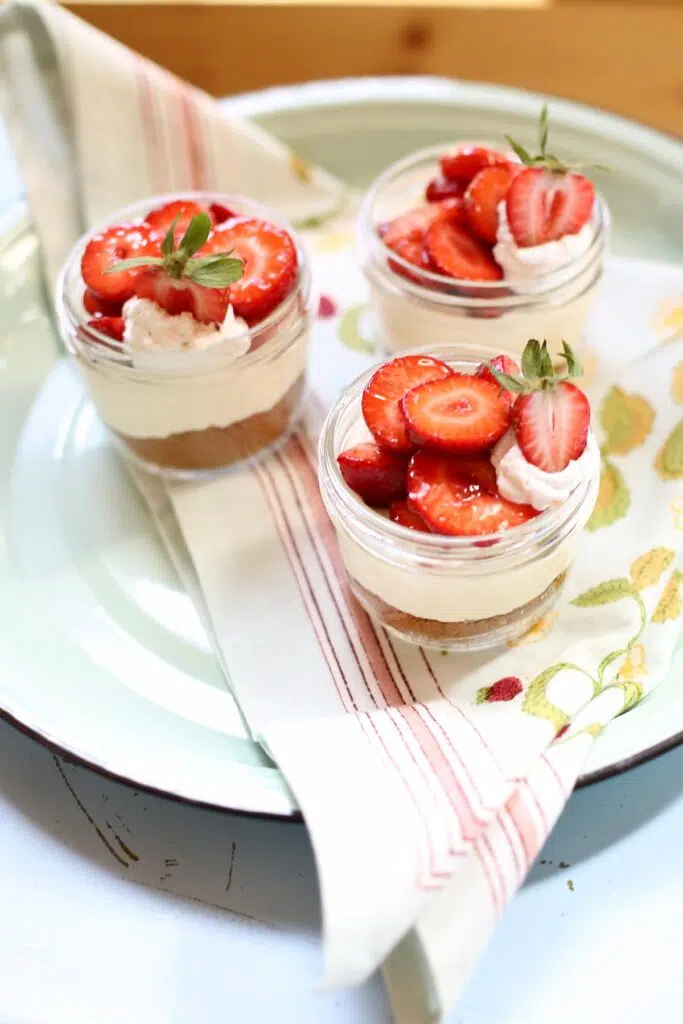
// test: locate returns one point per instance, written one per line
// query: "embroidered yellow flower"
(330, 241)
(538, 631)
(668, 321)
(676, 507)
(633, 667)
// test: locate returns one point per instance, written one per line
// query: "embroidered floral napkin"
(428, 781)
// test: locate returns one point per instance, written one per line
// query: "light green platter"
(101, 652)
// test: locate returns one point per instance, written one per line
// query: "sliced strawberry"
(270, 264)
(409, 225)
(220, 213)
(467, 161)
(110, 325)
(551, 426)
(100, 307)
(378, 476)
(480, 470)
(505, 364)
(457, 506)
(401, 513)
(441, 188)
(543, 206)
(454, 252)
(383, 394)
(486, 190)
(161, 219)
(103, 251)
(413, 251)
(181, 295)
(458, 414)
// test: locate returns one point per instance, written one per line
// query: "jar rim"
(557, 278)
(543, 530)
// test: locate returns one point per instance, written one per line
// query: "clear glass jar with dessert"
(470, 244)
(189, 317)
(458, 490)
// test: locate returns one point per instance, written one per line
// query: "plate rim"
(416, 89)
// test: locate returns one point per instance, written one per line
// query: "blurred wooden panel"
(623, 56)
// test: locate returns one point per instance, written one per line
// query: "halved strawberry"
(270, 264)
(467, 161)
(401, 513)
(457, 506)
(162, 217)
(378, 476)
(551, 426)
(486, 190)
(454, 252)
(181, 295)
(220, 213)
(441, 188)
(106, 249)
(459, 414)
(383, 393)
(544, 205)
(100, 307)
(504, 364)
(112, 326)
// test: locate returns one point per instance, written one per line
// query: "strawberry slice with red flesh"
(453, 504)
(385, 390)
(99, 307)
(112, 326)
(414, 224)
(487, 189)
(162, 217)
(543, 206)
(219, 213)
(453, 251)
(467, 161)
(458, 414)
(106, 249)
(401, 513)
(377, 476)
(181, 295)
(270, 264)
(504, 364)
(442, 188)
(551, 426)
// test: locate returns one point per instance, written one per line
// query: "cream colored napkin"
(427, 788)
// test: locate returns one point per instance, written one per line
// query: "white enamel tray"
(101, 653)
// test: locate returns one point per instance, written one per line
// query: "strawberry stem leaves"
(538, 372)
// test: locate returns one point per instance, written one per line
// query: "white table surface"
(225, 928)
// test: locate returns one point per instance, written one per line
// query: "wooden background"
(622, 56)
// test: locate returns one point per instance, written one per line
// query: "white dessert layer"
(142, 403)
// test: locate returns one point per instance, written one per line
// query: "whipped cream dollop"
(159, 341)
(522, 482)
(525, 263)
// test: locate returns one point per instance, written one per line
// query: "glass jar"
(417, 307)
(452, 593)
(203, 410)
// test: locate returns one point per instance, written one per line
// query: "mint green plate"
(101, 652)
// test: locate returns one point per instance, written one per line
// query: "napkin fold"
(428, 781)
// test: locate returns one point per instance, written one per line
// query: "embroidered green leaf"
(650, 567)
(669, 461)
(626, 419)
(536, 702)
(633, 691)
(614, 498)
(670, 606)
(350, 330)
(605, 593)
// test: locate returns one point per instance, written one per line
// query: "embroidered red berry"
(326, 307)
(504, 689)
(561, 731)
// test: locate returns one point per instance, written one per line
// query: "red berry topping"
(454, 252)
(105, 250)
(442, 188)
(409, 225)
(110, 325)
(162, 217)
(455, 505)
(100, 307)
(543, 205)
(467, 161)
(270, 264)
(383, 394)
(401, 513)
(458, 414)
(220, 213)
(182, 295)
(504, 364)
(378, 476)
(487, 189)
(552, 426)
